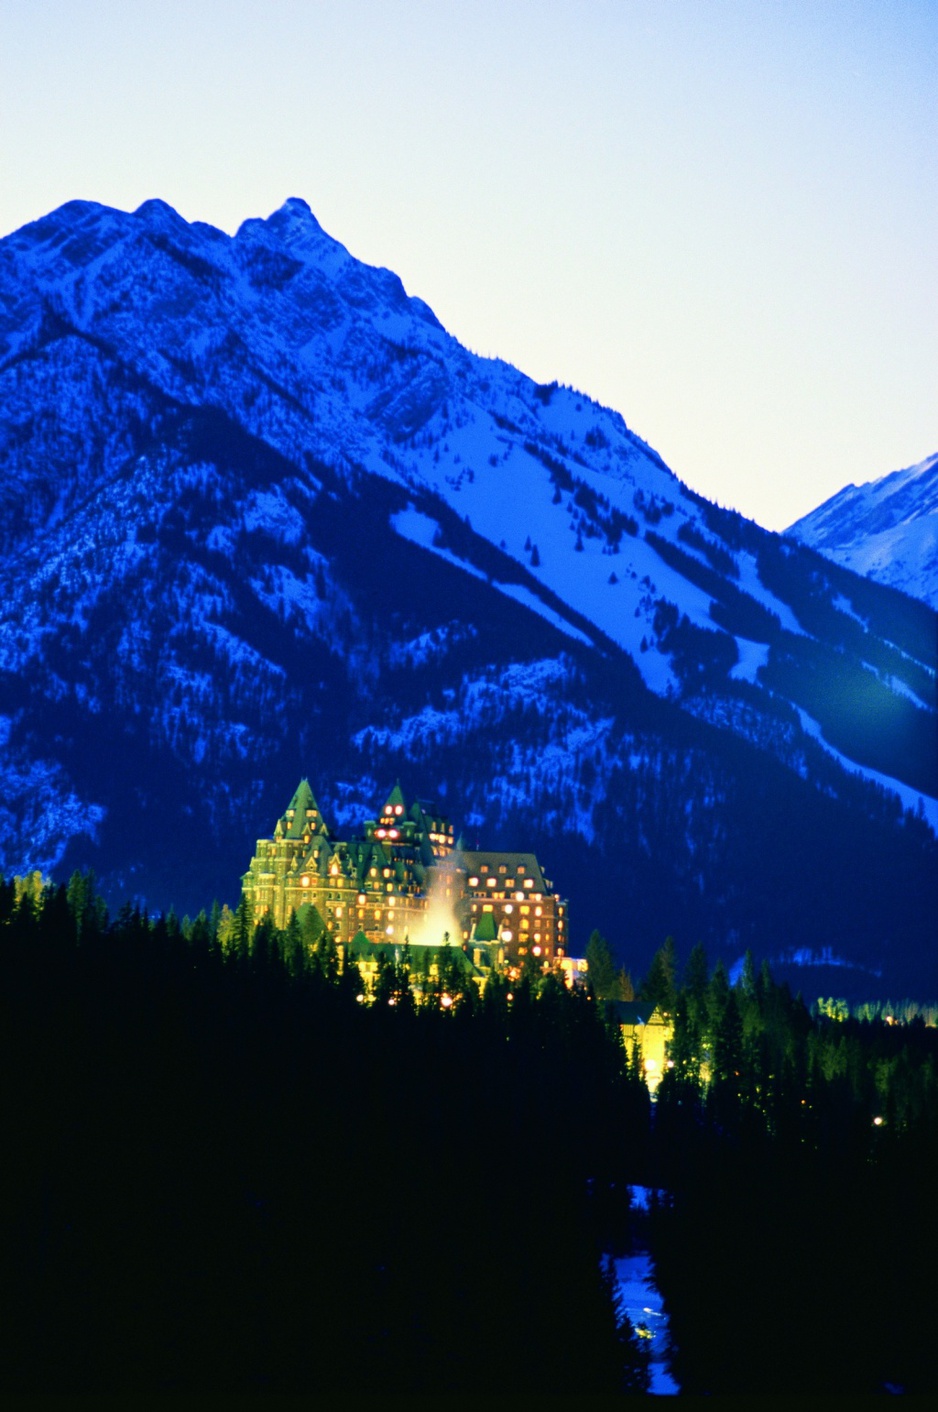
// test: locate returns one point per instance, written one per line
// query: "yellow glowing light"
(535, 951)
(650, 1065)
(305, 881)
(877, 1122)
(398, 808)
(446, 1000)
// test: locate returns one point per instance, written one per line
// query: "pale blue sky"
(717, 216)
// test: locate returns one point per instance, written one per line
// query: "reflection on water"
(635, 1283)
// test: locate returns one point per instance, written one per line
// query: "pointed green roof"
(295, 821)
(395, 797)
(485, 928)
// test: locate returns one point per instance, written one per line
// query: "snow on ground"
(752, 656)
(530, 600)
(419, 529)
(751, 583)
(912, 799)
(886, 529)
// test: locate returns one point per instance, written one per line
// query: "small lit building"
(644, 1025)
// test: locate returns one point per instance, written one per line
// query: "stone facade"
(405, 877)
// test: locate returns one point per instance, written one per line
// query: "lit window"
(491, 882)
(502, 868)
(305, 881)
(536, 950)
(506, 934)
(538, 911)
(508, 909)
(398, 808)
(537, 936)
(338, 911)
(473, 882)
(529, 882)
(538, 897)
(361, 898)
(524, 911)
(475, 906)
(387, 872)
(377, 914)
(519, 896)
(484, 868)
(560, 926)
(486, 906)
(524, 924)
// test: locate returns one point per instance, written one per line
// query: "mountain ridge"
(262, 516)
(886, 528)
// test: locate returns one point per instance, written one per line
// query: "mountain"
(887, 529)
(261, 516)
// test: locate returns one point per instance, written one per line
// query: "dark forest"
(226, 1171)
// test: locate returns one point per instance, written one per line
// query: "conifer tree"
(601, 967)
(659, 986)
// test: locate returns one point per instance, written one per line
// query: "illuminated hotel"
(405, 878)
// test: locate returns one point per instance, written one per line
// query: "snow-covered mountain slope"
(260, 515)
(887, 529)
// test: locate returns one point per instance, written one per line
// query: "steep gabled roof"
(636, 1012)
(396, 797)
(485, 928)
(302, 813)
(473, 860)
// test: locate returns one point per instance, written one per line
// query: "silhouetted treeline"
(224, 1172)
(795, 1246)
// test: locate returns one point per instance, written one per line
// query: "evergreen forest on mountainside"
(261, 516)
(230, 1174)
